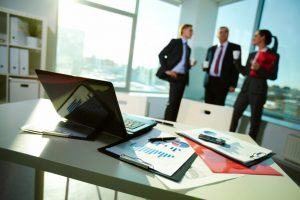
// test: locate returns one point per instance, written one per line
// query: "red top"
(266, 60)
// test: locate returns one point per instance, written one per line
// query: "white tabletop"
(80, 160)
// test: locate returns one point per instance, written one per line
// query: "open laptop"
(89, 106)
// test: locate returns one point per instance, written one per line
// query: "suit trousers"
(256, 102)
(177, 86)
(216, 91)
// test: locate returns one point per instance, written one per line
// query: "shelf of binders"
(23, 40)
(25, 47)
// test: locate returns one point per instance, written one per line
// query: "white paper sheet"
(234, 148)
(198, 175)
(165, 157)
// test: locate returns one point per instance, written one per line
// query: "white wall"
(44, 8)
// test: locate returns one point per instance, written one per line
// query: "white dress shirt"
(212, 67)
(180, 67)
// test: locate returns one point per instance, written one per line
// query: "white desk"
(80, 160)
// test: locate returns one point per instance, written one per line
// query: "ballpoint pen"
(162, 139)
(164, 123)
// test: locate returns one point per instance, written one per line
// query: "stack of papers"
(198, 175)
(218, 163)
(236, 149)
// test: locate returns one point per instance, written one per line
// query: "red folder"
(266, 60)
(220, 164)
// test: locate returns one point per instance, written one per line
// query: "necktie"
(216, 69)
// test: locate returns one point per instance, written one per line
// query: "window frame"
(134, 17)
(268, 117)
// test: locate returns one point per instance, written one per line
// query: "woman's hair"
(184, 26)
(268, 38)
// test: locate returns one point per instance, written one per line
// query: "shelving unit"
(23, 40)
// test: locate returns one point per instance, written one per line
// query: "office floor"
(295, 175)
(17, 183)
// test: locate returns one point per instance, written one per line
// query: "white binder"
(17, 34)
(14, 61)
(3, 60)
(24, 61)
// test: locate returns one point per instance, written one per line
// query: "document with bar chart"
(163, 156)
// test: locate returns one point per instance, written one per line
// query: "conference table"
(79, 159)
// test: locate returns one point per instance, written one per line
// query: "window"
(125, 5)
(157, 24)
(284, 93)
(239, 18)
(95, 40)
(94, 43)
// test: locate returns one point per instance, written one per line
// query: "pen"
(164, 123)
(162, 139)
(212, 139)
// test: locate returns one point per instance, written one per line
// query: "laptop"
(89, 106)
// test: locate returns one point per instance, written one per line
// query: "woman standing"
(261, 65)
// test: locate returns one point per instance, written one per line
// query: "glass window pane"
(280, 17)
(155, 28)
(239, 17)
(93, 44)
(125, 5)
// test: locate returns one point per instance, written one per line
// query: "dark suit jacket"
(229, 73)
(257, 85)
(170, 56)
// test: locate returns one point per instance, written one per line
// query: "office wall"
(202, 14)
(44, 8)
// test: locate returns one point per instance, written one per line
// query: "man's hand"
(231, 89)
(193, 63)
(255, 66)
(171, 73)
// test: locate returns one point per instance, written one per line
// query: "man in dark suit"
(221, 75)
(175, 66)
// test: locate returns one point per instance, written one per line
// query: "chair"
(132, 104)
(205, 115)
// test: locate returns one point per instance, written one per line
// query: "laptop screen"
(85, 101)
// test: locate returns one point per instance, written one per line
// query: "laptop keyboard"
(132, 124)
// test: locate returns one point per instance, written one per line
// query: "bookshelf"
(23, 40)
